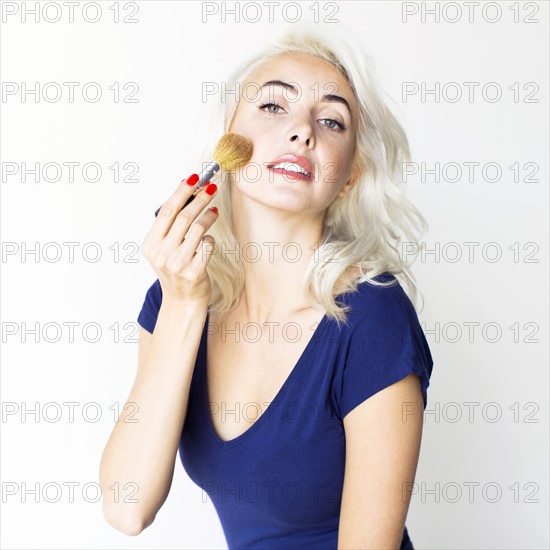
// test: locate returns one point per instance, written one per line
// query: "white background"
(169, 53)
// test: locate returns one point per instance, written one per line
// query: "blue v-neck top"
(279, 484)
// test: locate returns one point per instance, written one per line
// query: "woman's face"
(296, 105)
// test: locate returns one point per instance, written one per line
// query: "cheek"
(262, 152)
(337, 164)
(241, 120)
(245, 124)
(262, 143)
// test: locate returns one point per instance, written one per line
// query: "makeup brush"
(232, 151)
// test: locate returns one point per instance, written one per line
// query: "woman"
(280, 353)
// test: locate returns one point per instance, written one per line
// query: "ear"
(354, 178)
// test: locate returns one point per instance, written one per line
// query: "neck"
(275, 247)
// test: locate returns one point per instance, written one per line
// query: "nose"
(303, 134)
(295, 137)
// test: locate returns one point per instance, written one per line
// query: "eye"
(340, 127)
(270, 105)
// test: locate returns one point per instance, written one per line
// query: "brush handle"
(190, 199)
(204, 177)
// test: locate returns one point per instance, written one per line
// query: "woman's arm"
(139, 458)
(143, 453)
(383, 436)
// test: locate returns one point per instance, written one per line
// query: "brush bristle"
(233, 151)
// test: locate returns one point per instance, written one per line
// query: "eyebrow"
(329, 98)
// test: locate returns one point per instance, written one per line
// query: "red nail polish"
(214, 209)
(192, 179)
(212, 188)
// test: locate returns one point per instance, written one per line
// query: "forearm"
(142, 450)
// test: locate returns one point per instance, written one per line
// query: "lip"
(299, 160)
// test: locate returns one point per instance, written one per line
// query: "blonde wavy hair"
(362, 230)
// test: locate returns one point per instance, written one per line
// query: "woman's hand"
(178, 249)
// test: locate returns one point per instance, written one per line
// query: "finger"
(178, 233)
(193, 239)
(204, 253)
(173, 205)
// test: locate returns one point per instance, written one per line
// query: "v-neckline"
(282, 390)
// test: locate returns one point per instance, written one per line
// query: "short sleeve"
(147, 317)
(385, 345)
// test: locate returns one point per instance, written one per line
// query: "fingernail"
(214, 209)
(192, 179)
(212, 188)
